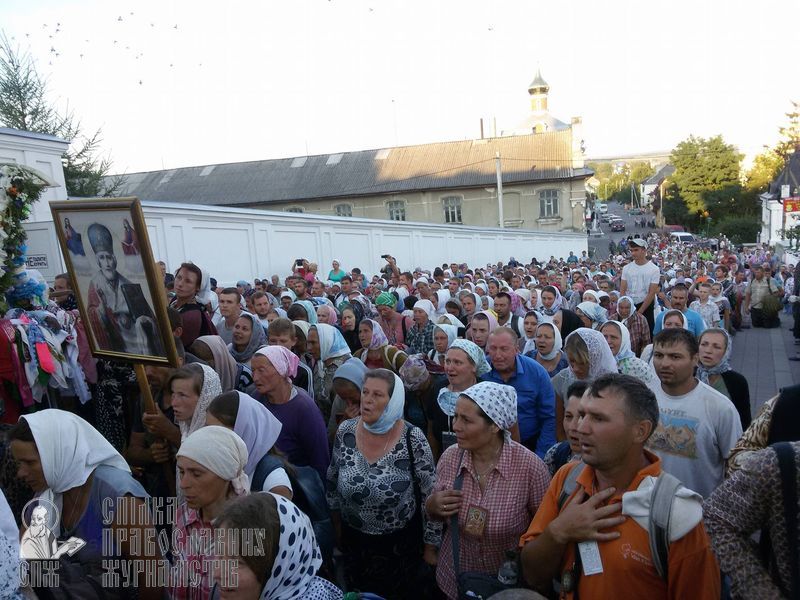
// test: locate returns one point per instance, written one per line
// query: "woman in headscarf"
(636, 323)
(248, 336)
(285, 566)
(547, 350)
(329, 350)
(327, 314)
(487, 302)
(347, 383)
(465, 364)
(72, 469)
(589, 357)
(488, 487)
(443, 336)
(259, 430)
(352, 315)
(375, 351)
(550, 302)
(212, 350)
(211, 465)
(381, 472)
(420, 337)
(308, 308)
(715, 370)
(527, 343)
(619, 340)
(591, 314)
(302, 438)
(192, 299)
(442, 297)
(471, 303)
(672, 319)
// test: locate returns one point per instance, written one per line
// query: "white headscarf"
(69, 450)
(557, 342)
(298, 559)
(210, 390)
(222, 452)
(442, 298)
(205, 295)
(426, 306)
(625, 345)
(258, 428)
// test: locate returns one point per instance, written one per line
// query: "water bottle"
(507, 575)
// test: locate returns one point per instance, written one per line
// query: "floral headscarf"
(476, 355)
(557, 303)
(414, 372)
(498, 401)
(723, 365)
(379, 339)
(601, 360)
(258, 338)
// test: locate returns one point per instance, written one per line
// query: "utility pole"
(499, 190)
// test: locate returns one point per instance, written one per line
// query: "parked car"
(602, 208)
(636, 211)
(682, 236)
(618, 225)
(606, 218)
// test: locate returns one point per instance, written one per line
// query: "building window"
(397, 210)
(344, 210)
(294, 209)
(452, 209)
(548, 204)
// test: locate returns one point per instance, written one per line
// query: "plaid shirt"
(514, 489)
(194, 542)
(639, 328)
(420, 341)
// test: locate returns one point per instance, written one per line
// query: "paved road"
(600, 243)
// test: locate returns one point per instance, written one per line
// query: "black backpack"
(308, 493)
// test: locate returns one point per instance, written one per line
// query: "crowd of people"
(435, 433)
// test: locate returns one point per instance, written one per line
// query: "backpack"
(206, 324)
(308, 493)
(660, 512)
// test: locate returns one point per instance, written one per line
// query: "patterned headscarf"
(379, 339)
(210, 390)
(601, 361)
(284, 361)
(557, 303)
(298, 559)
(476, 355)
(498, 401)
(596, 313)
(258, 338)
(414, 372)
(723, 365)
(386, 299)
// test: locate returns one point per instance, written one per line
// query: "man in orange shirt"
(594, 547)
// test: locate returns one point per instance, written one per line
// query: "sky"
(174, 83)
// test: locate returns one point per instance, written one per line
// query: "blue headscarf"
(393, 411)
(309, 308)
(595, 312)
(353, 370)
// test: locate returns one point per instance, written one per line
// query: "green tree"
(739, 229)
(790, 133)
(25, 105)
(766, 167)
(702, 166)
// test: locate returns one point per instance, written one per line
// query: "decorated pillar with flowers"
(20, 187)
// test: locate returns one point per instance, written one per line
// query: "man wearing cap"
(113, 325)
(640, 280)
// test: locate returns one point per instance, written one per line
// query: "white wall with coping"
(238, 243)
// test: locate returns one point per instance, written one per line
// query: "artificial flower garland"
(20, 187)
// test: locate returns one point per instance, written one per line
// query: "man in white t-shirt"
(640, 280)
(698, 426)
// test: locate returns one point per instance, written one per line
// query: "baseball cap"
(639, 242)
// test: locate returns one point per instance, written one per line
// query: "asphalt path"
(600, 243)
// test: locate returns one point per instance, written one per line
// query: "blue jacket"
(536, 402)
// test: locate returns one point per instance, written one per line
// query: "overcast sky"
(176, 84)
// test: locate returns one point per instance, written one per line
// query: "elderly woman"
(619, 340)
(211, 465)
(589, 357)
(327, 314)
(375, 352)
(635, 322)
(714, 369)
(488, 487)
(302, 438)
(347, 383)
(329, 350)
(591, 314)
(248, 336)
(71, 467)
(381, 472)
(352, 315)
(465, 363)
(547, 351)
(420, 337)
(443, 336)
(259, 429)
(289, 547)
